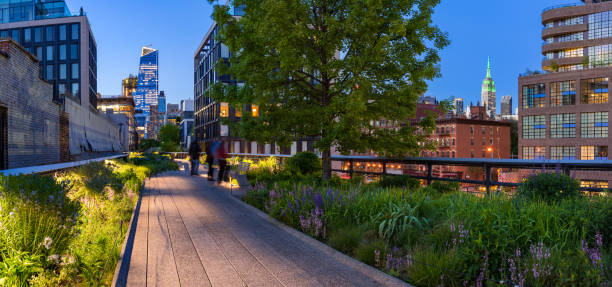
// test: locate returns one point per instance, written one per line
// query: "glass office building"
(63, 44)
(28, 10)
(147, 91)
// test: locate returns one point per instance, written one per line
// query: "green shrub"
(446, 186)
(303, 163)
(549, 187)
(366, 251)
(399, 181)
(256, 198)
(346, 239)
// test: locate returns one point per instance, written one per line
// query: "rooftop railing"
(561, 6)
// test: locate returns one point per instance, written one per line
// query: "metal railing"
(55, 167)
(564, 166)
(561, 6)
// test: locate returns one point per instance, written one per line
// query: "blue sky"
(507, 31)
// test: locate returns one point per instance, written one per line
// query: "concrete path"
(190, 233)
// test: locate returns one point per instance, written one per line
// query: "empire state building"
(488, 97)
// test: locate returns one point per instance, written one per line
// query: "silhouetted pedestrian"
(210, 159)
(194, 154)
(221, 155)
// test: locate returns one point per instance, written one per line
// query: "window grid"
(534, 96)
(593, 184)
(600, 56)
(566, 22)
(566, 38)
(593, 152)
(600, 25)
(534, 127)
(594, 91)
(562, 94)
(594, 125)
(563, 152)
(563, 126)
(534, 152)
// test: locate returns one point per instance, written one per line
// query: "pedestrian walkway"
(189, 232)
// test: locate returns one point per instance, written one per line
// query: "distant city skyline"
(512, 48)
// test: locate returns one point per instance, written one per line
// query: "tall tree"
(330, 70)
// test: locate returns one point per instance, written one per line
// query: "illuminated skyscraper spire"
(488, 94)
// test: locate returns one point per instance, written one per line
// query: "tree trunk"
(326, 164)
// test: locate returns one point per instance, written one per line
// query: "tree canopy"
(330, 70)
(170, 137)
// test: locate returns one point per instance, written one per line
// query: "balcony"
(562, 6)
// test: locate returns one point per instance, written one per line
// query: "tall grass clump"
(67, 230)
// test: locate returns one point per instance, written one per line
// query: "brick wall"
(33, 118)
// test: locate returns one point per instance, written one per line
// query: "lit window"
(593, 152)
(224, 110)
(534, 127)
(534, 152)
(534, 96)
(562, 94)
(594, 91)
(255, 110)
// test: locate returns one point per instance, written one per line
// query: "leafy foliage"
(170, 137)
(327, 69)
(303, 163)
(549, 186)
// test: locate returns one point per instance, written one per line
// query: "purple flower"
(377, 257)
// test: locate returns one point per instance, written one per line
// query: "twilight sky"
(507, 31)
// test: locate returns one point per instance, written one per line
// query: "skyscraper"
(564, 114)
(129, 85)
(147, 91)
(161, 102)
(28, 10)
(488, 98)
(506, 105)
(459, 107)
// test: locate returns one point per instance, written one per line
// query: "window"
(62, 71)
(224, 110)
(49, 53)
(534, 127)
(562, 94)
(566, 22)
(534, 152)
(62, 52)
(15, 35)
(49, 75)
(594, 91)
(61, 88)
(484, 130)
(565, 38)
(39, 53)
(27, 35)
(75, 71)
(593, 152)
(472, 141)
(453, 154)
(255, 110)
(534, 96)
(75, 31)
(569, 53)
(76, 92)
(594, 184)
(74, 52)
(600, 56)
(563, 126)
(594, 125)
(563, 152)
(238, 112)
(472, 130)
(453, 142)
(600, 25)
(49, 34)
(37, 35)
(62, 32)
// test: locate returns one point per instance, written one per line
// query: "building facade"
(459, 106)
(488, 94)
(564, 112)
(67, 53)
(506, 105)
(128, 86)
(122, 105)
(147, 90)
(29, 117)
(187, 123)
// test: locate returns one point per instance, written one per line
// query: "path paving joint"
(188, 232)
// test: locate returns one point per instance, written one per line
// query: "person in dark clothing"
(221, 154)
(210, 159)
(194, 154)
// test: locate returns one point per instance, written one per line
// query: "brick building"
(29, 118)
(564, 111)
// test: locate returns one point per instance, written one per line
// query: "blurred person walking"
(194, 155)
